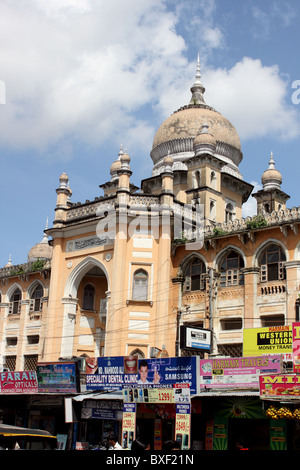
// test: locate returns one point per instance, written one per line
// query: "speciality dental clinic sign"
(241, 372)
(18, 382)
(118, 373)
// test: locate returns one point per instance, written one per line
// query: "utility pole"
(212, 294)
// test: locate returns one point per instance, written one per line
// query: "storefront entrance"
(252, 434)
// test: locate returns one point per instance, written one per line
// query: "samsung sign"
(195, 338)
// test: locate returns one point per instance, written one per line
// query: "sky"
(81, 78)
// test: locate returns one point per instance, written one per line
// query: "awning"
(99, 396)
(228, 393)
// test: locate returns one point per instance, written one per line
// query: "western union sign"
(268, 340)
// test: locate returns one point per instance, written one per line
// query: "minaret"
(271, 197)
(62, 201)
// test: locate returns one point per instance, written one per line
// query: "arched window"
(137, 352)
(230, 269)
(36, 299)
(213, 179)
(229, 212)
(140, 285)
(196, 179)
(194, 275)
(88, 297)
(15, 303)
(272, 264)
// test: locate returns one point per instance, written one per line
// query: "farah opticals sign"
(195, 338)
(18, 382)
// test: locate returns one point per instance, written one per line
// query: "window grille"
(30, 362)
(232, 350)
(10, 363)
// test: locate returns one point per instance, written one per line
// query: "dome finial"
(197, 89)
(271, 162)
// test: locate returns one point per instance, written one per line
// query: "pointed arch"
(79, 272)
(32, 287)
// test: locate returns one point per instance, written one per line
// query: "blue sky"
(80, 78)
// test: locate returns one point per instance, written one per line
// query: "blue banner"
(148, 373)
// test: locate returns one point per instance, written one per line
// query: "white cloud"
(255, 98)
(79, 71)
(81, 68)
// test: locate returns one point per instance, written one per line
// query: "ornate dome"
(177, 133)
(271, 178)
(41, 250)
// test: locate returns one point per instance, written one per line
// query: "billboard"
(18, 382)
(280, 386)
(58, 377)
(239, 372)
(118, 372)
(267, 340)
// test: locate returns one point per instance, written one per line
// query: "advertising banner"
(180, 393)
(117, 373)
(279, 386)
(240, 372)
(267, 340)
(58, 377)
(182, 425)
(128, 425)
(18, 382)
(296, 347)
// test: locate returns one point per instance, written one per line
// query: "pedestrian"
(171, 445)
(113, 443)
(139, 445)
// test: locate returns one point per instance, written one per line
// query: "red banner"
(296, 347)
(18, 382)
(280, 385)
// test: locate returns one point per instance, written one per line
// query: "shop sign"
(117, 373)
(239, 372)
(58, 377)
(18, 382)
(195, 338)
(278, 434)
(267, 340)
(280, 385)
(180, 393)
(103, 414)
(296, 347)
(128, 425)
(182, 425)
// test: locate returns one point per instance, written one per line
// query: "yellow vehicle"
(17, 438)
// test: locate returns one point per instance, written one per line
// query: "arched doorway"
(85, 306)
